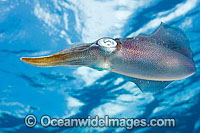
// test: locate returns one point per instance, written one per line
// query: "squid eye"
(107, 42)
(107, 45)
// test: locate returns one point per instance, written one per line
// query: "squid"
(151, 61)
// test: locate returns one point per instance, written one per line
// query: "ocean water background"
(38, 28)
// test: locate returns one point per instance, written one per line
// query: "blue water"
(38, 28)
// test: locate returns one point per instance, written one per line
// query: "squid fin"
(171, 37)
(150, 85)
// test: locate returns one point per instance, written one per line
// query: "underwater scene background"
(42, 27)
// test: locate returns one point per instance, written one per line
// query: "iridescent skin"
(162, 56)
(145, 60)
